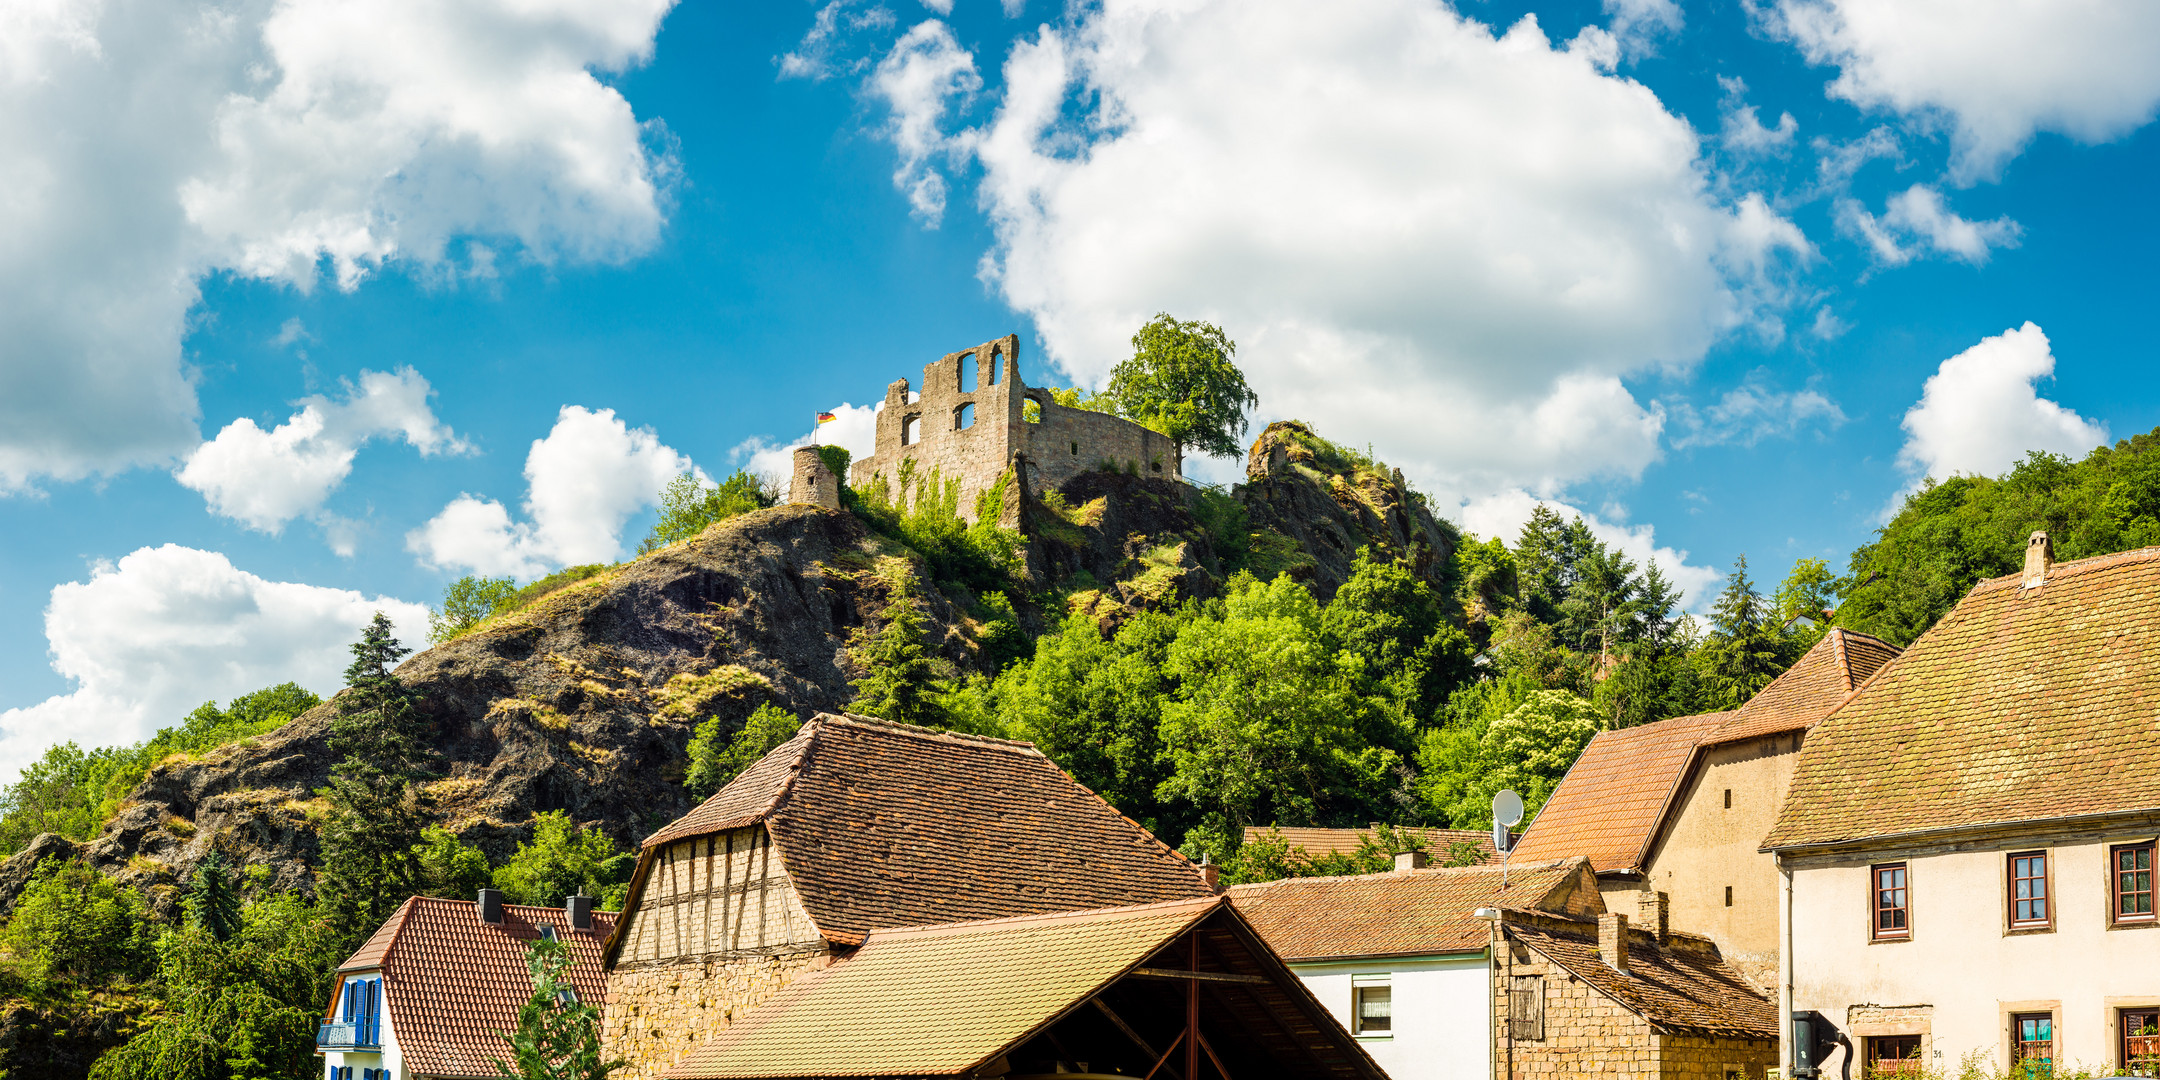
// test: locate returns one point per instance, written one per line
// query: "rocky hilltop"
(586, 700)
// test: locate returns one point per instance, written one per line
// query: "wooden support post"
(1192, 1010)
(1205, 1045)
(1165, 1058)
(1119, 1023)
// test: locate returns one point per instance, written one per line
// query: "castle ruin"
(972, 422)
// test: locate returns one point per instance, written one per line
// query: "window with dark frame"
(2140, 1041)
(1890, 1055)
(2028, 889)
(1890, 902)
(1372, 1009)
(2130, 879)
(2032, 1045)
(1728, 896)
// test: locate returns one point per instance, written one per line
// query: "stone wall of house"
(969, 422)
(656, 1013)
(1585, 1032)
(1694, 1057)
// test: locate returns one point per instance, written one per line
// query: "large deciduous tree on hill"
(1181, 382)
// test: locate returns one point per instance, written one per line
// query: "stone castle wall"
(970, 422)
(657, 1013)
(1589, 1034)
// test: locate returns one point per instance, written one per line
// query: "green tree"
(716, 759)
(213, 906)
(1531, 748)
(1267, 725)
(1745, 650)
(902, 681)
(448, 867)
(1809, 591)
(561, 860)
(1388, 617)
(75, 930)
(558, 1036)
(1180, 381)
(465, 602)
(240, 1009)
(688, 506)
(377, 813)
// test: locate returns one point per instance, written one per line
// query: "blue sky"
(295, 299)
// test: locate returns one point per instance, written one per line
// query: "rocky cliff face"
(585, 701)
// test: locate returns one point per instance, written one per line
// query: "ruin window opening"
(964, 417)
(967, 373)
(990, 374)
(1031, 411)
(911, 431)
(1076, 449)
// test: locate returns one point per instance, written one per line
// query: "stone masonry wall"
(1693, 1057)
(656, 1014)
(982, 387)
(1586, 1033)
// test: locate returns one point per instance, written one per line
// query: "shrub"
(562, 859)
(466, 601)
(714, 762)
(688, 507)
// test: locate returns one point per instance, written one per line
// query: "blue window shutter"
(374, 1011)
(345, 1005)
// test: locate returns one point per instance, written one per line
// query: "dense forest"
(1202, 681)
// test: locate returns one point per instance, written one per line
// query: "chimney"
(2039, 559)
(1612, 941)
(1209, 872)
(1655, 911)
(491, 911)
(579, 908)
(1406, 861)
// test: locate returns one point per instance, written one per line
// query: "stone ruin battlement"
(970, 420)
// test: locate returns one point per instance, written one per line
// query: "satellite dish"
(1507, 808)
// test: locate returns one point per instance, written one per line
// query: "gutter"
(1861, 842)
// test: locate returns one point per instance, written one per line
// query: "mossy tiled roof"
(1609, 804)
(1811, 689)
(2020, 705)
(1415, 913)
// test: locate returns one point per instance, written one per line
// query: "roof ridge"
(403, 919)
(920, 732)
(2087, 564)
(1844, 663)
(1428, 873)
(1039, 917)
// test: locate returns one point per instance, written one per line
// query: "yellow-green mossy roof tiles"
(2021, 704)
(1409, 913)
(1811, 689)
(940, 1000)
(1609, 804)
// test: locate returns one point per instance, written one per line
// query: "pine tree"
(558, 1036)
(904, 682)
(1745, 651)
(377, 813)
(212, 905)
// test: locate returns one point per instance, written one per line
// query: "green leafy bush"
(73, 931)
(688, 506)
(466, 601)
(562, 859)
(715, 758)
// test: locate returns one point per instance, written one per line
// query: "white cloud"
(1979, 414)
(1637, 25)
(144, 145)
(147, 639)
(1743, 130)
(1917, 218)
(1752, 412)
(1837, 162)
(1503, 515)
(1447, 242)
(853, 428)
(265, 479)
(2000, 70)
(582, 484)
(925, 70)
(818, 56)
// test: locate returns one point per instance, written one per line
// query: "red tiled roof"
(1322, 842)
(883, 824)
(1811, 689)
(1405, 914)
(1610, 803)
(1682, 985)
(2019, 705)
(452, 984)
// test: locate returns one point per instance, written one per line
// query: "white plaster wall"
(390, 1058)
(1961, 961)
(1443, 1013)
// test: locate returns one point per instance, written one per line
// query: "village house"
(1401, 959)
(429, 994)
(852, 827)
(1967, 848)
(1182, 988)
(1672, 814)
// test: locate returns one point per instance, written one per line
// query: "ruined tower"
(971, 421)
(813, 482)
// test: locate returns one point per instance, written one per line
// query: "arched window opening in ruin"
(1076, 449)
(1031, 411)
(990, 377)
(967, 373)
(911, 431)
(964, 417)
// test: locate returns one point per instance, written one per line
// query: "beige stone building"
(1967, 848)
(853, 827)
(1677, 809)
(974, 420)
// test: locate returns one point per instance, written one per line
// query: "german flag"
(825, 418)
